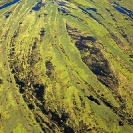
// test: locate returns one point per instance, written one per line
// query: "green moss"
(29, 39)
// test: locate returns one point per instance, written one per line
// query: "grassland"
(66, 67)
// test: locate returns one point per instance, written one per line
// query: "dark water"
(63, 10)
(92, 9)
(123, 10)
(9, 4)
(120, 9)
(85, 11)
(37, 6)
(62, 3)
(8, 14)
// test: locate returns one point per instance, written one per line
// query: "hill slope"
(66, 66)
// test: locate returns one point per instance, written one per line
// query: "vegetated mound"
(66, 66)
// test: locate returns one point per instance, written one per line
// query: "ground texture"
(66, 66)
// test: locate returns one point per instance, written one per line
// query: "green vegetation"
(66, 66)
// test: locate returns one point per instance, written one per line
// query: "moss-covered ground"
(66, 66)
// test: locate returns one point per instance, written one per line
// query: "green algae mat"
(66, 66)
